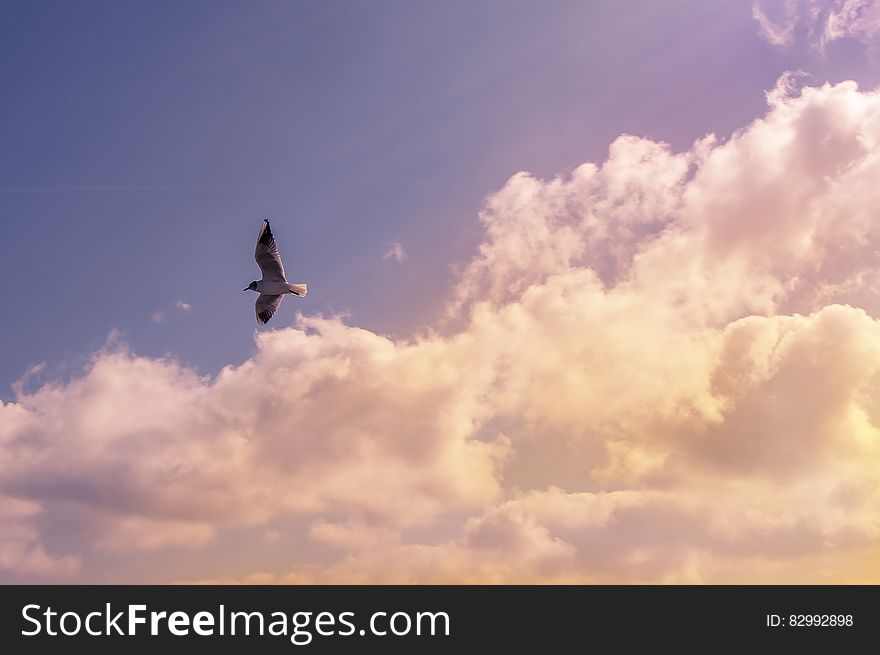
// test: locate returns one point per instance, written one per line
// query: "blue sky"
(144, 141)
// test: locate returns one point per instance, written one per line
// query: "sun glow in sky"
(593, 292)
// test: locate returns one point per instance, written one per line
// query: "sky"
(593, 290)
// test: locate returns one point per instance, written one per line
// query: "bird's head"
(251, 287)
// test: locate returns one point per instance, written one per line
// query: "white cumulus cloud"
(664, 367)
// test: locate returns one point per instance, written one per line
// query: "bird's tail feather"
(298, 289)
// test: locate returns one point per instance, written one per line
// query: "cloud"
(660, 368)
(855, 19)
(779, 32)
(21, 549)
(395, 252)
(160, 315)
(818, 22)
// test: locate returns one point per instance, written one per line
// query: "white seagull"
(274, 285)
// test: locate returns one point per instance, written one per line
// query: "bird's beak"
(246, 289)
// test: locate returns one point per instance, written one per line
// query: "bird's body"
(274, 285)
(278, 287)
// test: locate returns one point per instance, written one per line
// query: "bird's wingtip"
(265, 233)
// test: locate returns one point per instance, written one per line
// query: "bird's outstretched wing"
(266, 306)
(267, 255)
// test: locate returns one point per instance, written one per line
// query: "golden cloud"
(662, 368)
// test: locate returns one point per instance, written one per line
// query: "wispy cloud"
(395, 252)
(159, 316)
(818, 22)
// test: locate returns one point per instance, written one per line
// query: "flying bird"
(273, 287)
